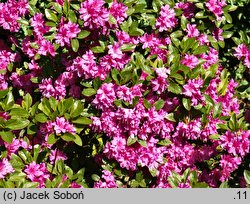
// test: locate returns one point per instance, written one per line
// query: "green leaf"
(186, 103)
(165, 142)
(200, 50)
(41, 118)
(174, 88)
(170, 117)
(112, 19)
(72, 16)
(88, 92)
(142, 143)
(68, 137)
(146, 103)
(127, 47)
(247, 176)
(3, 93)
(16, 124)
(7, 136)
(83, 34)
(31, 185)
(217, 110)
(76, 109)
(74, 45)
(50, 15)
(159, 104)
(19, 112)
(78, 140)
(82, 121)
(95, 177)
(52, 139)
(98, 49)
(66, 7)
(224, 185)
(187, 44)
(131, 140)
(227, 34)
(214, 137)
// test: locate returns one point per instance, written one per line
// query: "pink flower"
(66, 32)
(241, 51)
(93, 13)
(109, 181)
(187, 7)
(190, 61)
(228, 164)
(37, 173)
(105, 96)
(118, 10)
(192, 89)
(167, 20)
(216, 7)
(57, 154)
(5, 168)
(61, 125)
(192, 31)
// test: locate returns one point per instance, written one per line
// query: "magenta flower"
(216, 7)
(94, 14)
(190, 61)
(5, 168)
(241, 51)
(167, 20)
(61, 125)
(192, 89)
(66, 32)
(109, 181)
(118, 10)
(37, 173)
(192, 31)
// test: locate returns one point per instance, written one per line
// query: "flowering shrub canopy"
(129, 93)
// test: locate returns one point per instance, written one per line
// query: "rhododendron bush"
(129, 93)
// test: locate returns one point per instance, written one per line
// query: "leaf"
(41, 118)
(50, 15)
(3, 93)
(72, 16)
(170, 117)
(200, 50)
(217, 110)
(143, 143)
(7, 136)
(146, 103)
(74, 45)
(52, 139)
(83, 34)
(17, 123)
(131, 140)
(247, 176)
(159, 104)
(66, 7)
(19, 112)
(165, 142)
(227, 34)
(186, 103)
(127, 47)
(214, 137)
(76, 109)
(82, 121)
(112, 19)
(95, 177)
(98, 49)
(174, 88)
(78, 140)
(68, 137)
(88, 92)
(31, 185)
